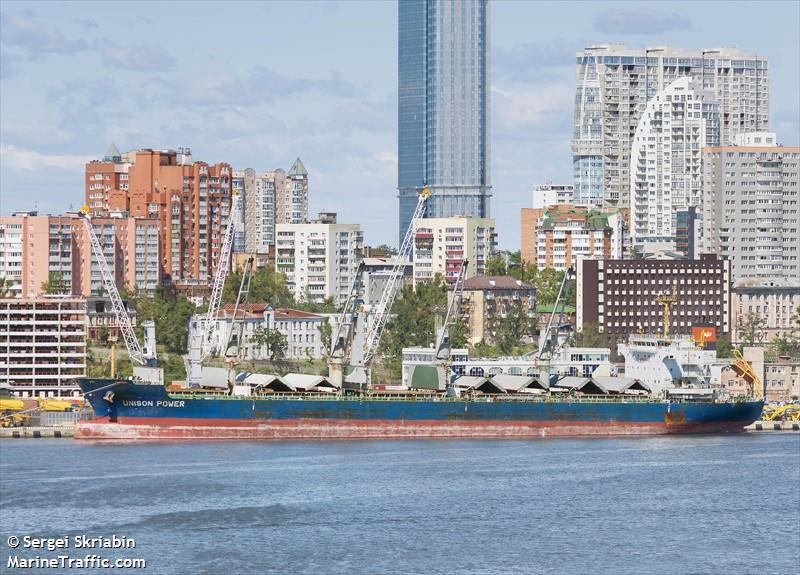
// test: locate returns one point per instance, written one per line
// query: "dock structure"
(774, 426)
(37, 432)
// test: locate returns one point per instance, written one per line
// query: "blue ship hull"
(126, 410)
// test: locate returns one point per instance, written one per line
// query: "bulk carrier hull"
(128, 411)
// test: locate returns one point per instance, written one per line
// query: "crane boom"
(223, 264)
(443, 345)
(375, 331)
(123, 320)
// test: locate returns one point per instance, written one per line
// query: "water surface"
(725, 504)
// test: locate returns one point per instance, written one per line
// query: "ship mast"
(667, 300)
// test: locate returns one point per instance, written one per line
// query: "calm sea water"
(705, 504)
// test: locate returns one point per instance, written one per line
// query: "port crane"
(347, 341)
(234, 348)
(545, 342)
(443, 344)
(202, 327)
(145, 356)
(223, 265)
(743, 369)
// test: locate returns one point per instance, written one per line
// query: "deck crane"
(145, 356)
(348, 335)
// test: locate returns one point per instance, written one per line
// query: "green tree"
(275, 342)
(547, 284)
(590, 336)
(509, 330)
(724, 347)
(103, 334)
(752, 329)
(171, 313)
(782, 345)
(325, 306)
(413, 323)
(325, 335)
(266, 286)
(382, 251)
(55, 284)
(496, 266)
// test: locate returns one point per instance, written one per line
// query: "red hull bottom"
(144, 429)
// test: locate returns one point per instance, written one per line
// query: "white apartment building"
(442, 244)
(776, 305)
(301, 329)
(755, 189)
(614, 83)
(43, 345)
(546, 195)
(666, 174)
(270, 198)
(302, 332)
(319, 259)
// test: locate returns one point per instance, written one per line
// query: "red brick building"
(191, 200)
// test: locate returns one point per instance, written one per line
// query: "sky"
(259, 84)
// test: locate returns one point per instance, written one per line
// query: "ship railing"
(487, 398)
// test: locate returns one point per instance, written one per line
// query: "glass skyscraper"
(443, 107)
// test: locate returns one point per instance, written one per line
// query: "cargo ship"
(129, 410)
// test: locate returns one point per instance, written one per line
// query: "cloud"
(88, 23)
(22, 159)
(535, 56)
(140, 57)
(640, 22)
(21, 30)
(259, 85)
(517, 109)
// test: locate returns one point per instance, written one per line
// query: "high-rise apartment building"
(443, 108)
(35, 249)
(614, 84)
(191, 200)
(32, 247)
(132, 250)
(43, 345)
(270, 198)
(551, 195)
(319, 259)
(755, 189)
(666, 174)
(556, 237)
(441, 245)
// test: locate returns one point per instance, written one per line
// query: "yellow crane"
(667, 300)
(744, 370)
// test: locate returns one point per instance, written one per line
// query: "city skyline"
(71, 85)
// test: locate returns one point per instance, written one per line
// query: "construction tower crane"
(142, 355)
(352, 342)
(223, 265)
